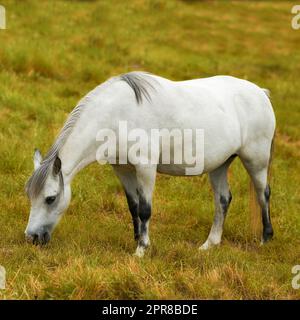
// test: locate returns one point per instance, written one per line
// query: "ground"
(54, 52)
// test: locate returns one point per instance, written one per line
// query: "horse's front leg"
(127, 177)
(146, 180)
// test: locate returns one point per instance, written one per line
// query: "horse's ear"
(56, 166)
(37, 158)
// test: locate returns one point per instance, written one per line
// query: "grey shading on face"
(45, 189)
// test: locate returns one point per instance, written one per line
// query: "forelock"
(37, 181)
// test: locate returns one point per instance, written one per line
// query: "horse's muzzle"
(41, 238)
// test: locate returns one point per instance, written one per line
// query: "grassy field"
(54, 52)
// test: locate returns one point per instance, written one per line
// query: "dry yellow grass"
(51, 54)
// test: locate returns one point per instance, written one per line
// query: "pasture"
(54, 52)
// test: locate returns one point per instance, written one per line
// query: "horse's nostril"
(45, 238)
(38, 238)
(35, 239)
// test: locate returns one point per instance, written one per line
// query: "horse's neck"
(79, 150)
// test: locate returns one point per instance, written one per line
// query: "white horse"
(236, 116)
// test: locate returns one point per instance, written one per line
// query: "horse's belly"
(216, 144)
(172, 169)
(209, 164)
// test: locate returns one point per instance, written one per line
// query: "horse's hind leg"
(263, 193)
(222, 195)
(257, 167)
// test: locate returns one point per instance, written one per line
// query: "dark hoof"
(267, 235)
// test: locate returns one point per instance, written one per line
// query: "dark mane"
(140, 83)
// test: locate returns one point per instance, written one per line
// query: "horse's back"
(238, 99)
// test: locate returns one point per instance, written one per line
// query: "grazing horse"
(236, 116)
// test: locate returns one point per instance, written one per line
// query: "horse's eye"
(50, 200)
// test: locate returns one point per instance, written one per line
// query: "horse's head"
(49, 197)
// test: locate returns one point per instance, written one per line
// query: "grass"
(54, 52)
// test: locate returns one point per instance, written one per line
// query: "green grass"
(54, 52)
